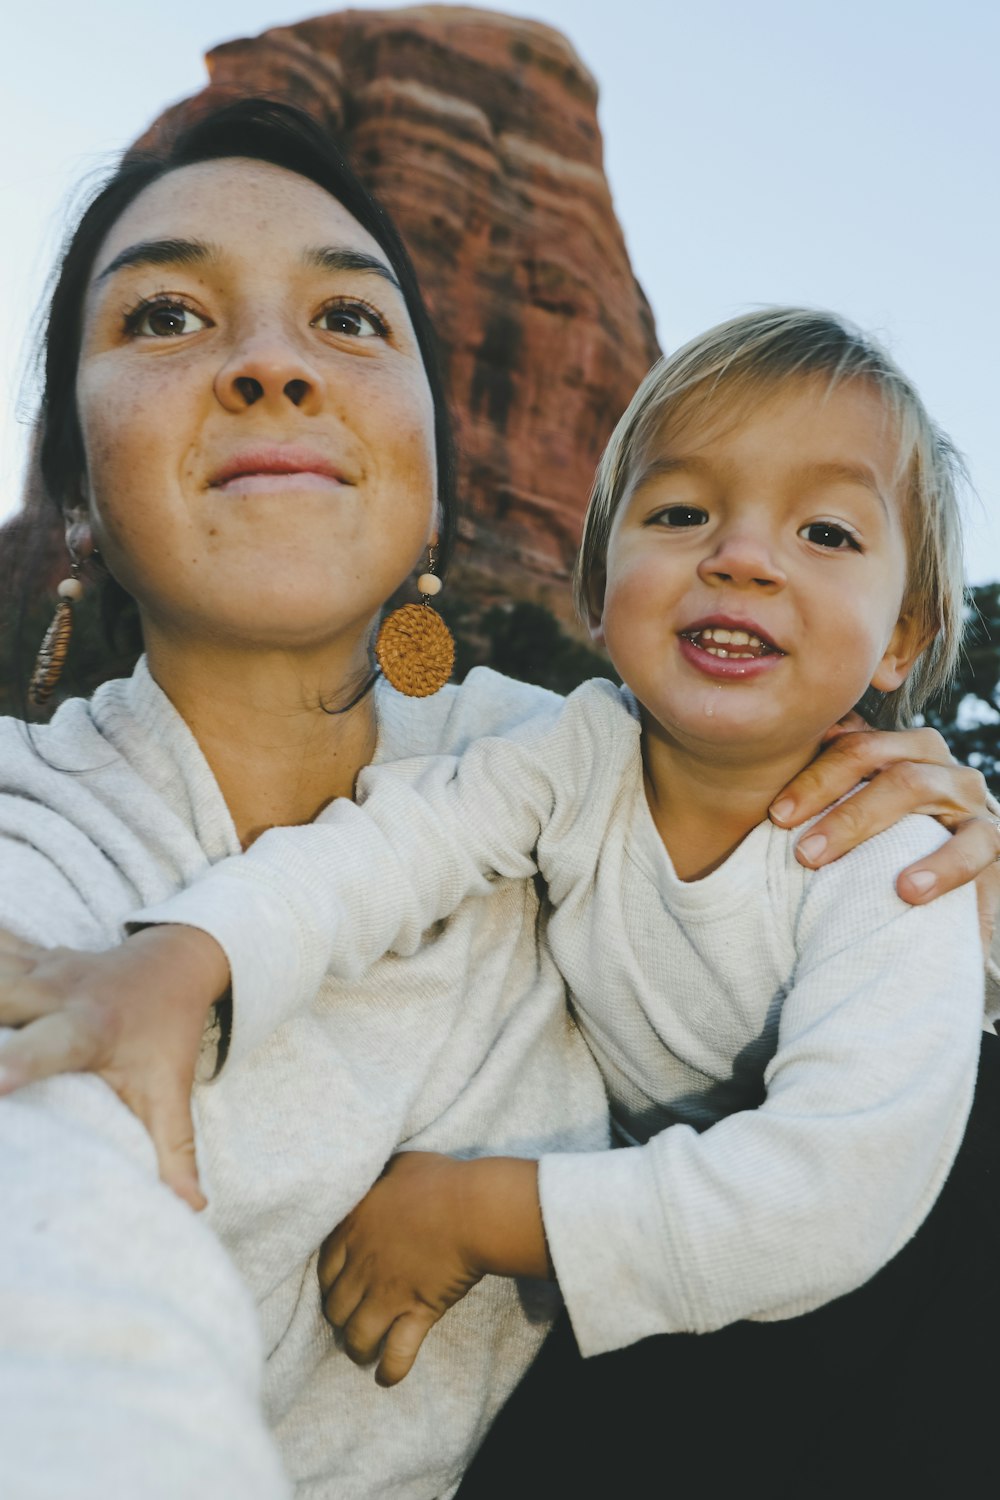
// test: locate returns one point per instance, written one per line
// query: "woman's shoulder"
(485, 704)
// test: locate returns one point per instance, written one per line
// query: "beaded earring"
(52, 653)
(414, 647)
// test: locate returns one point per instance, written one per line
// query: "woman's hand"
(906, 771)
(429, 1229)
(134, 1015)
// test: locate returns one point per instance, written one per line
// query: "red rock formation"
(480, 134)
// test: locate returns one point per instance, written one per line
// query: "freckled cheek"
(132, 455)
(399, 437)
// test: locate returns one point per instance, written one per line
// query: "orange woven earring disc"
(415, 650)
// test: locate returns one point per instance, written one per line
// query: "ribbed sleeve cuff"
(275, 968)
(602, 1216)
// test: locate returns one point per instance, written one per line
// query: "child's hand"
(428, 1230)
(134, 1015)
(907, 771)
(397, 1262)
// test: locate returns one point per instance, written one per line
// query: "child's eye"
(353, 319)
(681, 515)
(829, 534)
(164, 318)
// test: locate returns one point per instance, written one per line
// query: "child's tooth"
(719, 636)
(739, 638)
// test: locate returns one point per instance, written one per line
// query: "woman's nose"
(269, 370)
(744, 558)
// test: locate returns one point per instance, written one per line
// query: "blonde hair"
(737, 366)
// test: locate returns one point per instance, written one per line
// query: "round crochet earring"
(52, 653)
(414, 646)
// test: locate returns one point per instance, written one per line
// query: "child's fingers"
(62, 1042)
(12, 944)
(365, 1329)
(332, 1259)
(21, 999)
(342, 1299)
(402, 1345)
(171, 1127)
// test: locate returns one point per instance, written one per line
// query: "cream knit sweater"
(129, 1353)
(826, 1031)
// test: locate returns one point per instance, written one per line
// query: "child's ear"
(905, 645)
(595, 606)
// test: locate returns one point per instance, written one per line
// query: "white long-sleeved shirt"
(129, 1356)
(826, 1032)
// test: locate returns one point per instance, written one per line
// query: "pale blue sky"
(841, 154)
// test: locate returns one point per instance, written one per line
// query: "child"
(772, 536)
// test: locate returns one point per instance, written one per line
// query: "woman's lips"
(278, 483)
(276, 469)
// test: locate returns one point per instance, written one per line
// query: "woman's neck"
(263, 722)
(704, 806)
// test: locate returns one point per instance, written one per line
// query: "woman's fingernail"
(812, 847)
(782, 811)
(922, 881)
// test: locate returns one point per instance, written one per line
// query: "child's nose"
(743, 558)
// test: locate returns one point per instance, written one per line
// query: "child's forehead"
(813, 415)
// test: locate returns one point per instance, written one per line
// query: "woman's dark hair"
(261, 130)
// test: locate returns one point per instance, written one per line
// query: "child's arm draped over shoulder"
(295, 904)
(365, 880)
(272, 917)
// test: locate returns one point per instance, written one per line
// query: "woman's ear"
(905, 645)
(79, 533)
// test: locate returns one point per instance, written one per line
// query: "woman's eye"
(165, 320)
(352, 319)
(681, 515)
(829, 534)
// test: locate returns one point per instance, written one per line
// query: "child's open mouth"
(738, 645)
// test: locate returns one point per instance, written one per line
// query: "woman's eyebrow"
(160, 253)
(333, 258)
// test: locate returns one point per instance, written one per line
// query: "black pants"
(890, 1392)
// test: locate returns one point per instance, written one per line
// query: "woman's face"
(257, 422)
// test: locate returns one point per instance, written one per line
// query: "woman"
(241, 415)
